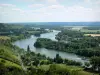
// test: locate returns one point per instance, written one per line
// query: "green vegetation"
(4, 38)
(8, 63)
(7, 53)
(86, 30)
(61, 69)
(86, 73)
(18, 32)
(10, 68)
(93, 30)
(16, 61)
(87, 46)
(68, 35)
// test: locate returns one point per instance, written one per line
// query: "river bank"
(49, 53)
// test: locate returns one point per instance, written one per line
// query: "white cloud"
(73, 13)
(51, 8)
(52, 12)
(78, 9)
(56, 7)
(36, 5)
(9, 12)
(87, 1)
(97, 2)
(52, 1)
(7, 5)
(48, 1)
(93, 2)
(18, 10)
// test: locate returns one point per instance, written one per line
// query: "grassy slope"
(74, 69)
(9, 63)
(85, 73)
(7, 53)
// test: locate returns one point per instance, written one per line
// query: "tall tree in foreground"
(28, 49)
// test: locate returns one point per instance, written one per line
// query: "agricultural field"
(86, 30)
(33, 32)
(4, 38)
(93, 35)
(15, 26)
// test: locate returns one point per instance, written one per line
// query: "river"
(49, 53)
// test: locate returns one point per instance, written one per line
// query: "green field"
(33, 32)
(16, 26)
(86, 30)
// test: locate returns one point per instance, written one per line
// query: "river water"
(49, 53)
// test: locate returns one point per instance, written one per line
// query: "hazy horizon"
(58, 23)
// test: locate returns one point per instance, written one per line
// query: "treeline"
(35, 61)
(92, 28)
(31, 58)
(68, 35)
(17, 32)
(88, 46)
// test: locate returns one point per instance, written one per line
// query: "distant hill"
(61, 23)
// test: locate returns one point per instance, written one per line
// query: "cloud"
(72, 13)
(44, 1)
(7, 5)
(36, 5)
(87, 1)
(97, 2)
(18, 10)
(56, 7)
(9, 11)
(52, 11)
(52, 1)
(93, 2)
(51, 8)
(78, 9)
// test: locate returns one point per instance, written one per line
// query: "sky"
(49, 10)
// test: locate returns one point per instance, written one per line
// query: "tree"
(38, 44)
(36, 62)
(28, 49)
(87, 64)
(95, 62)
(58, 59)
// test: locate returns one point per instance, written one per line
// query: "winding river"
(49, 53)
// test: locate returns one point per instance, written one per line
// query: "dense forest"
(17, 61)
(87, 46)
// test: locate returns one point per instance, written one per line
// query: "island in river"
(49, 53)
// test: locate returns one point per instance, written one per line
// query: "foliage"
(95, 62)
(10, 68)
(87, 46)
(68, 34)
